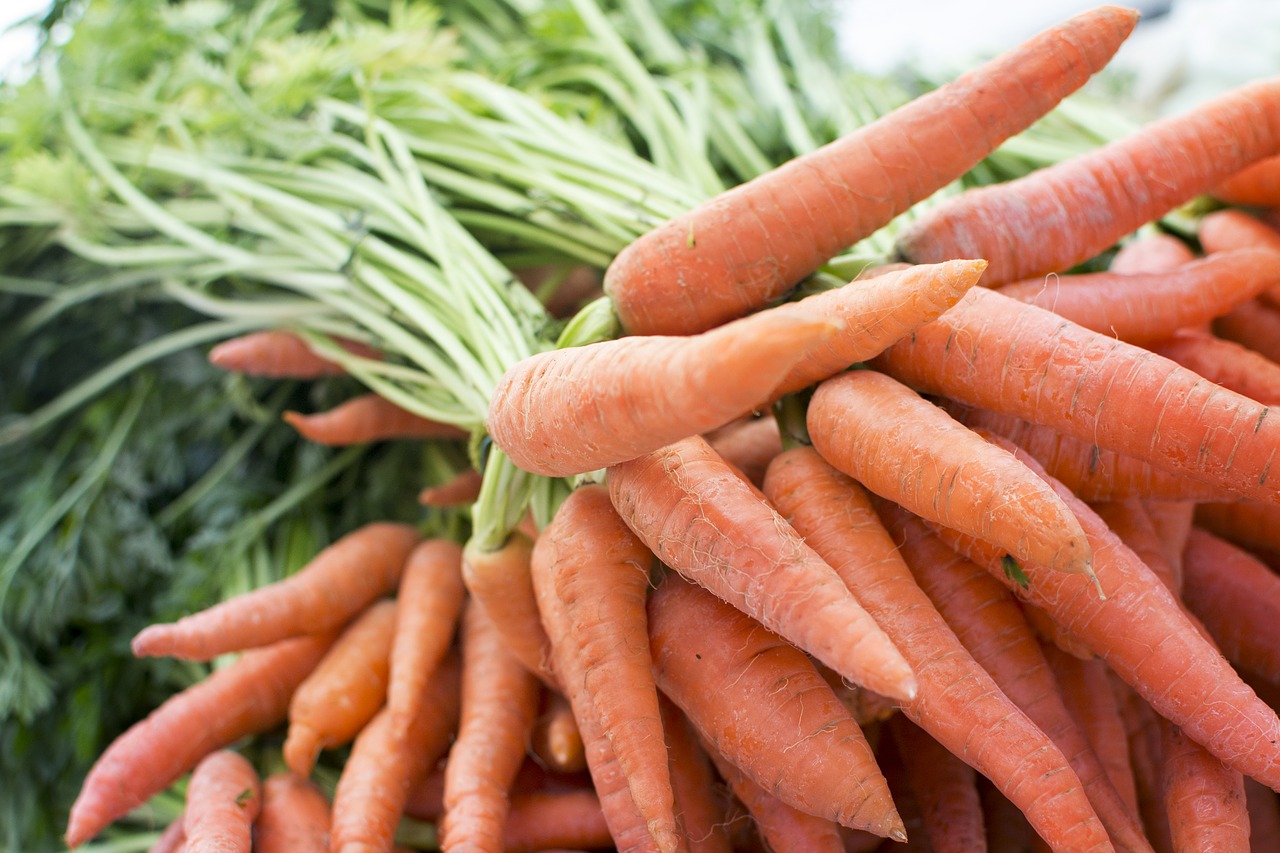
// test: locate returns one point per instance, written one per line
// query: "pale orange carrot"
(1229, 230)
(1142, 730)
(499, 580)
(1151, 253)
(336, 585)
(368, 418)
(1249, 524)
(1133, 524)
(945, 787)
(543, 821)
(463, 488)
(294, 817)
(280, 355)
(172, 840)
(1172, 521)
(224, 797)
(1228, 363)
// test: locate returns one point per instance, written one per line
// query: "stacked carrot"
(1030, 601)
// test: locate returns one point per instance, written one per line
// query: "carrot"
(224, 797)
(294, 817)
(555, 738)
(596, 571)
(280, 355)
(748, 444)
(1254, 324)
(1142, 730)
(172, 840)
(1228, 363)
(1257, 185)
(909, 451)
(383, 764)
(1230, 230)
(250, 695)
(500, 581)
(739, 251)
(701, 519)
(958, 703)
(541, 821)
(1133, 524)
(574, 410)
(1264, 817)
(1000, 354)
(699, 806)
(1251, 525)
(1151, 253)
(347, 688)
(463, 488)
(1056, 217)
(499, 702)
(336, 585)
(1172, 521)
(866, 706)
(367, 418)
(1204, 799)
(1144, 307)
(945, 787)
(759, 703)
(429, 603)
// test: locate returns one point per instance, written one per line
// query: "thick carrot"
(1254, 324)
(701, 519)
(958, 703)
(596, 571)
(224, 797)
(463, 488)
(1228, 363)
(336, 585)
(246, 697)
(294, 817)
(499, 702)
(500, 581)
(743, 249)
(945, 787)
(429, 603)
(911, 452)
(570, 411)
(1172, 521)
(367, 418)
(758, 702)
(1000, 354)
(280, 355)
(699, 805)
(748, 444)
(555, 739)
(1203, 798)
(345, 691)
(1054, 218)
(1151, 253)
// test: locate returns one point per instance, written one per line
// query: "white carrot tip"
(1097, 584)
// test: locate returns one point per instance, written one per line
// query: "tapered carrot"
(500, 581)
(958, 703)
(462, 488)
(909, 451)
(294, 817)
(945, 787)
(699, 805)
(1172, 521)
(280, 355)
(1000, 354)
(1142, 730)
(499, 702)
(758, 702)
(1204, 799)
(748, 444)
(1228, 363)
(374, 786)
(246, 697)
(597, 572)
(347, 688)
(429, 602)
(337, 584)
(1133, 524)
(367, 418)
(701, 519)
(570, 411)
(224, 797)
(1257, 185)
(1151, 253)
(555, 739)
(739, 251)
(1056, 217)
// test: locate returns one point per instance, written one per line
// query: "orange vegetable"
(1203, 798)
(1254, 324)
(945, 787)
(368, 418)
(1257, 185)
(700, 807)
(1230, 364)
(1252, 525)
(463, 488)
(499, 580)
(294, 817)
(748, 444)
(1230, 230)
(224, 797)
(556, 740)
(545, 820)
(172, 840)
(280, 355)
(1151, 253)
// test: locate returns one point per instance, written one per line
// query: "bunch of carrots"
(974, 551)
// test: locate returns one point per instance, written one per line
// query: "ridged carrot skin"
(1054, 218)
(745, 248)
(368, 418)
(1227, 363)
(224, 798)
(1204, 798)
(1151, 253)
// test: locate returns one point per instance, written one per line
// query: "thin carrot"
(555, 738)
(345, 691)
(1151, 253)
(1254, 324)
(367, 418)
(699, 806)
(1172, 521)
(429, 602)
(1054, 218)
(294, 817)
(500, 581)
(1000, 354)
(280, 355)
(911, 452)
(333, 587)
(1257, 185)
(541, 821)
(739, 251)
(1228, 363)
(748, 444)
(463, 488)
(701, 519)
(1133, 524)
(945, 787)
(246, 697)
(759, 703)
(224, 797)
(499, 702)
(1204, 799)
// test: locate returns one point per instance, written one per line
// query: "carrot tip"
(899, 835)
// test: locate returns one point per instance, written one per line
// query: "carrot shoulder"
(739, 251)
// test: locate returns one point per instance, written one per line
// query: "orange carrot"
(499, 702)
(739, 251)
(1257, 185)
(1056, 217)
(429, 602)
(945, 787)
(867, 707)
(699, 807)
(347, 688)
(246, 697)
(280, 355)
(748, 444)
(1204, 799)
(1229, 230)
(499, 580)
(909, 451)
(463, 488)
(1254, 526)
(383, 764)
(702, 520)
(367, 418)
(1254, 324)
(1000, 354)
(294, 817)
(555, 739)
(1130, 521)
(224, 797)
(1172, 521)
(1007, 828)
(337, 584)
(1231, 365)
(596, 571)
(541, 821)
(1142, 730)
(758, 702)
(1151, 253)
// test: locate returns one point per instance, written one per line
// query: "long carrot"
(1228, 363)
(499, 580)
(172, 840)
(758, 702)
(334, 586)
(1151, 252)
(462, 488)
(1056, 217)
(224, 797)
(699, 804)
(701, 519)
(280, 355)
(294, 817)
(1142, 730)
(1252, 525)
(739, 251)
(1257, 185)
(544, 821)
(367, 418)
(911, 452)
(246, 697)
(945, 787)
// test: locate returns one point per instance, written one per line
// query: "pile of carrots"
(973, 552)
